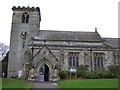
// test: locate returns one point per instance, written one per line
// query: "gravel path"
(46, 85)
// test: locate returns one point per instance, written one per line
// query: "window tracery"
(25, 17)
(98, 60)
(73, 59)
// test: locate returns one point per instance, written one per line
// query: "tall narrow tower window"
(25, 18)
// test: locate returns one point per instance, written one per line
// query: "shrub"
(83, 71)
(82, 68)
(64, 74)
(114, 70)
(102, 74)
(73, 74)
(82, 74)
(108, 75)
(79, 73)
(96, 74)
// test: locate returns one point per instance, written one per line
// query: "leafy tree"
(5, 64)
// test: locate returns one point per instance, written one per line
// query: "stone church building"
(41, 54)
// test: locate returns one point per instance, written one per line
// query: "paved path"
(45, 85)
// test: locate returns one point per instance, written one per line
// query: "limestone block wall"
(65, 62)
(18, 44)
(109, 59)
(86, 56)
(81, 58)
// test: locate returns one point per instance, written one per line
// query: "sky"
(66, 15)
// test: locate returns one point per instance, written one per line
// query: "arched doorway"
(44, 73)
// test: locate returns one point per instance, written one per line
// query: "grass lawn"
(16, 83)
(0, 83)
(89, 83)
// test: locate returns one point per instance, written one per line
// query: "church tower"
(25, 25)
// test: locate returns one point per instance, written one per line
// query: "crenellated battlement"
(25, 8)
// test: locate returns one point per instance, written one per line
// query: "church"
(41, 54)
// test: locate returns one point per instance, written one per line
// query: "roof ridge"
(69, 35)
(109, 38)
(67, 31)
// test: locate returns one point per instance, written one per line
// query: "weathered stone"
(44, 52)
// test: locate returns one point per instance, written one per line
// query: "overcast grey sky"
(67, 15)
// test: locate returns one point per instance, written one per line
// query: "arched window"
(25, 18)
(73, 59)
(98, 60)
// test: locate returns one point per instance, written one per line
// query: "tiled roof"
(114, 42)
(68, 36)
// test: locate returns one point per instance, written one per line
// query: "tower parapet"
(25, 8)
(28, 9)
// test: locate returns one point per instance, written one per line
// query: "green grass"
(13, 79)
(0, 83)
(89, 83)
(16, 83)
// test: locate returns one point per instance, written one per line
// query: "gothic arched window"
(98, 60)
(25, 18)
(73, 59)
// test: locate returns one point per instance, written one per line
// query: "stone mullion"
(94, 62)
(75, 60)
(72, 59)
(100, 61)
(84, 58)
